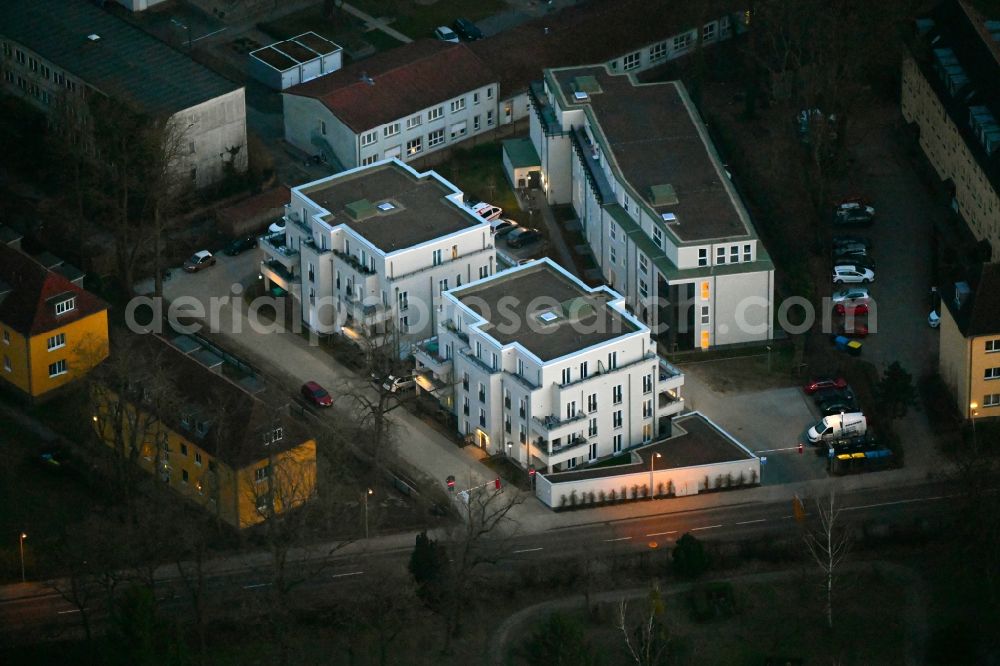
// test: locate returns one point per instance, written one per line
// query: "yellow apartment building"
(950, 91)
(970, 343)
(52, 331)
(208, 438)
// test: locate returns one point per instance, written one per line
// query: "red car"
(857, 309)
(824, 383)
(316, 394)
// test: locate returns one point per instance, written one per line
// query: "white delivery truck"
(838, 426)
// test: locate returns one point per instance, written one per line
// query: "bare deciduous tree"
(646, 641)
(828, 544)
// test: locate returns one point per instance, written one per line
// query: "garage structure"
(302, 58)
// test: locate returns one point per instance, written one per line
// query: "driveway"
(291, 358)
(769, 422)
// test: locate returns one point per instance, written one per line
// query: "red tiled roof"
(27, 309)
(591, 33)
(406, 79)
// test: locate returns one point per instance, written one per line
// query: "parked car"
(502, 227)
(445, 34)
(834, 393)
(854, 216)
(862, 249)
(934, 319)
(467, 30)
(241, 245)
(394, 384)
(853, 201)
(199, 260)
(835, 406)
(856, 260)
(523, 236)
(316, 394)
(277, 227)
(824, 383)
(838, 426)
(852, 310)
(841, 240)
(487, 211)
(851, 295)
(851, 273)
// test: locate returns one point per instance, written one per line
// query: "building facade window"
(647, 409)
(616, 419)
(56, 341)
(616, 394)
(57, 368)
(404, 324)
(371, 159)
(6, 364)
(584, 372)
(489, 93)
(704, 315)
(592, 402)
(413, 121)
(435, 113)
(592, 453)
(991, 345)
(616, 443)
(457, 105)
(681, 42)
(566, 372)
(631, 61)
(571, 409)
(658, 237)
(62, 307)
(647, 432)
(647, 383)
(482, 417)
(475, 124)
(458, 130)
(368, 138)
(390, 130)
(6, 338)
(414, 146)
(747, 252)
(708, 32)
(720, 255)
(592, 428)
(435, 138)
(489, 117)
(991, 373)
(658, 51)
(991, 400)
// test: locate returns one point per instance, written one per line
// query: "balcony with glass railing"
(273, 248)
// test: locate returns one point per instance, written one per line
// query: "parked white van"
(838, 426)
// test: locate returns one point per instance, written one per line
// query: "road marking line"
(790, 448)
(618, 539)
(65, 612)
(748, 522)
(250, 587)
(905, 501)
(527, 550)
(352, 573)
(662, 533)
(788, 516)
(707, 527)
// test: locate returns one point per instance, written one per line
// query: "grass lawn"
(478, 171)
(775, 622)
(416, 20)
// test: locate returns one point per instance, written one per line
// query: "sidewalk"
(376, 23)
(557, 243)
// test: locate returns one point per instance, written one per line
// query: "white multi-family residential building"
(629, 35)
(656, 205)
(369, 252)
(56, 53)
(403, 103)
(541, 367)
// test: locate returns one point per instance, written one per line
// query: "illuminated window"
(705, 290)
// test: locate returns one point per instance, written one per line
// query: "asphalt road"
(38, 611)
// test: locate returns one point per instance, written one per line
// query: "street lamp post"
(973, 406)
(370, 491)
(23, 537)
(652, 463)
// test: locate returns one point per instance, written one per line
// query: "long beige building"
(950, 90)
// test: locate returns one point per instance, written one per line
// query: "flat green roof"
(521, 153)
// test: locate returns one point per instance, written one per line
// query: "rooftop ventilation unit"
(663, 195)
(93, 37)
(360, 209)
(577, 308)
